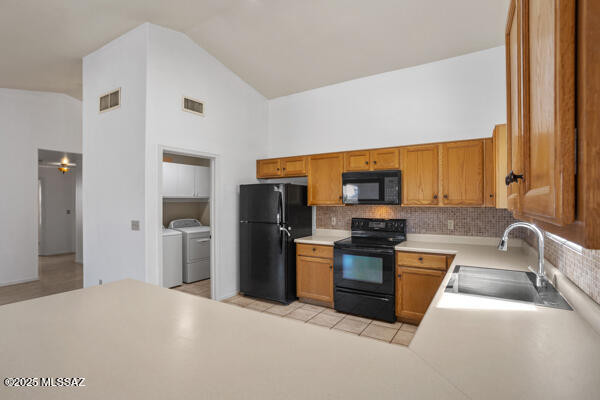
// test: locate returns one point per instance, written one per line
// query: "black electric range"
(363, 268)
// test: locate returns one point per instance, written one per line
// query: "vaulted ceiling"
(278, 46)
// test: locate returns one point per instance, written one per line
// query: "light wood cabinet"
(540, 39)
(489, 173)
(384, 159)
(420, 175)
(325, 179)
(418, 278)
(357, 161)
(314, 273)
(268, 168)
(294, 166)
(500, 165)
(462, 173)
(415, 288)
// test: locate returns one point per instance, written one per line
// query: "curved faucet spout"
(503, 245)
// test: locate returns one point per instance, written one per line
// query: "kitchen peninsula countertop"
(497, 349)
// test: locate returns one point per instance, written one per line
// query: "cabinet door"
(500, 165)
(170, 177)
(314, 278)
(357, 161)
(489, 174)
(202, 180)
(513, 104)
(462, 171)
(325, 179)
(420, 180)
(548, 85)
(382, 159)
(268, 168)
(294, 166)
(415, 288)
(186, 182)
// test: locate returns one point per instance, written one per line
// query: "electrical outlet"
(333, 221)
(450, 224)
(135, 225)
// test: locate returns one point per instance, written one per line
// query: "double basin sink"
(506, 285)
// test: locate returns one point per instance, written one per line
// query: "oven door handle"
(365, 251)
(362, 294)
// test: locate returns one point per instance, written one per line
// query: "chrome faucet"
(503, 245)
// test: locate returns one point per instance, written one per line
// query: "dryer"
(196, 248)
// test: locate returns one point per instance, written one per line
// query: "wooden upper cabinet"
(500, 164)
(489, 174)
(268, 168)
(420, 180)
(357, 161)
(548, 110)
(462, 172)
(325, 179)
(382, 159)
(513, 104)
(294, 166)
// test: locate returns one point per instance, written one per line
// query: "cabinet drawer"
(312, 250)
(435, 261)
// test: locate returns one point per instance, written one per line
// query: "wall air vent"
(193, 106)
(110, 100)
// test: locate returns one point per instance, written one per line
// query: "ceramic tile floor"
(199, 288)
(396, 333)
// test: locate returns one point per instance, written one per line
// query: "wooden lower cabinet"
(418, 278)
(314, 275)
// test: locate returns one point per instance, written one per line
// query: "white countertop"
(134, 340)
(496, 349)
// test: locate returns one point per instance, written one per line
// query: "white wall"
(28, 121)
(57, 234)
(234, 129)
(79, 213)
(159, 66)
(457, 98)
(113, 160)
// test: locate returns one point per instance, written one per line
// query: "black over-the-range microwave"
(372, 187)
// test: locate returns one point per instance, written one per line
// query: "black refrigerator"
(271, 217)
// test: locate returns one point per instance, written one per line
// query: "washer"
(196, 248)
(172, 274)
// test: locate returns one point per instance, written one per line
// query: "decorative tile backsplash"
(583, 269)
(468, 221)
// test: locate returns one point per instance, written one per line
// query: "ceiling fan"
(63, 166)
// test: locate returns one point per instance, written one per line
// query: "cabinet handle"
(366, 162)
(445, 196)
(375, 162)
(284, 168)
(331, 267)
(314, 249)
(491, 195)
(399, 275)
(277, 169)
(512, 177)
(435, 196)
(421, 259)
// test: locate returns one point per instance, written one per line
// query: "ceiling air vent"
(110, 100)
(193, 106)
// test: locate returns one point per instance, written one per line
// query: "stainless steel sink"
(505, 284)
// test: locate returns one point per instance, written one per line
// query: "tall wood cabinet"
(325, 179)
(420, 175)
(540, 42)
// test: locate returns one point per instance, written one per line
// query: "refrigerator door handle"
(283, 229)
(279, 207)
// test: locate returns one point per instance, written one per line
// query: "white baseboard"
(18, 281)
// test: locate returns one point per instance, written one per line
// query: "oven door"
(366, 269)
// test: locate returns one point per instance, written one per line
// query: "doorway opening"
(187, 212)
